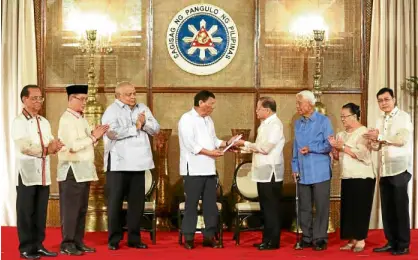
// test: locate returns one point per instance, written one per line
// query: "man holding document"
(268, 169)
(199, 147)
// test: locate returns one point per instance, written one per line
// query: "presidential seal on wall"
(202, 39)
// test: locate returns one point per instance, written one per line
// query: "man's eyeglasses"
(40, 99)
(386, 100)
(345, 117)
(81, 99)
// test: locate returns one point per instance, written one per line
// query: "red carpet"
(167, 247)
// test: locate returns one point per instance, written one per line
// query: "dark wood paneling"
(40, 35)
(366, 25)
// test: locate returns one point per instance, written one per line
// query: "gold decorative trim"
(53, 213)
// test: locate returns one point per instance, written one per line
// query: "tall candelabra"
(318, 48)
(96, 219)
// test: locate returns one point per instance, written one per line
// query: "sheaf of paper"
(232, 143)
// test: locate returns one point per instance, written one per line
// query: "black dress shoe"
(189, 244)
(403, 251)
(113, 246)
(44, 252)
(26, 255)
(139, 245)
(210, 242)
(85, 249)
(385, 248)
(257, 244)
(320, 245)
(268, 246)
(302, 244)
(71, 250)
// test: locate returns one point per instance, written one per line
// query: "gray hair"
(121, 85)
(307, 95)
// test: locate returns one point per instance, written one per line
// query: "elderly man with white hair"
(311, 165)
(127, 156)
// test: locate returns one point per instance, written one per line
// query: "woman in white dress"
(357, 178)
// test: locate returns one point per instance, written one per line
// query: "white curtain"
(18, 61)
(393, 53)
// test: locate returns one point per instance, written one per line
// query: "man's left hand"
(304, 150)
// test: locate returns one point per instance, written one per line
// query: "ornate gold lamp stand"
(319, 106)
(163, 183)
(96, 219)
(319, 47)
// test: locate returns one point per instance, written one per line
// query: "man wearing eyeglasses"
(34, 143)
(127, 156)
(393, 139)
(76, 170)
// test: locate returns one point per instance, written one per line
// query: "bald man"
(127, 156)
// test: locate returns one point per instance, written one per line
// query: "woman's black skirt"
(356, 206)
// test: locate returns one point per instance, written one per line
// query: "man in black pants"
(76, 170)
(127, 155)
(268, 169)
(393, 139)
(34, 142)
(198, 150)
